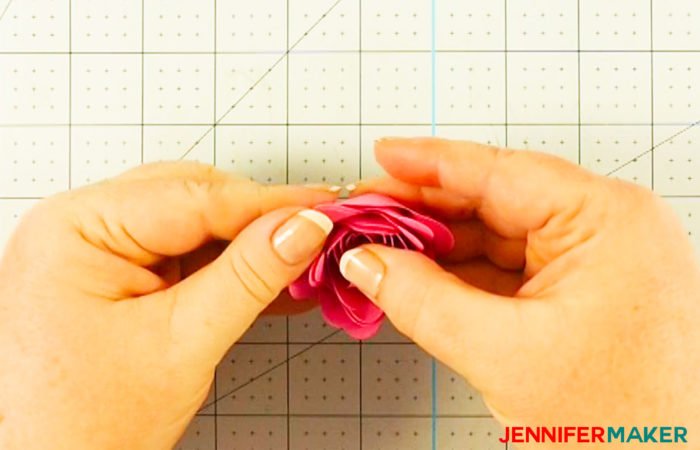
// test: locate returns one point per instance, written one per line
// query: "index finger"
(512, 191)
(144, 220)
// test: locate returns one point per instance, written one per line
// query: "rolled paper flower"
(369, 218)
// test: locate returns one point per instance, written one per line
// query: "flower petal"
(333, 311)
(443, 239)
(366, 223)
(365, 331)
(412, 221)
(412, 239)
(301, 289)
(334, 315)
(370, 200)
(337, 211)
(317, 270)
(359, 308)
(366, 218)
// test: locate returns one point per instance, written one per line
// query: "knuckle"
(200, 188)
(207, 171)
(254, 284)
(262, 192)
(201, 180)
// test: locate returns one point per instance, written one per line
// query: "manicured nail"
(350, 187)
(363, 269)
(388, 138)
(324, 187)
(301, 236)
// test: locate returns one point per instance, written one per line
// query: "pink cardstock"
(369, 218)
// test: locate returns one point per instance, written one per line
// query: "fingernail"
(324, 187)
(363, 269)
(301, 236)
(384, 139)
(350, 187)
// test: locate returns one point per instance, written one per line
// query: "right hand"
(573, 298)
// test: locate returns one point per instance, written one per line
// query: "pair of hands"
(569, 298)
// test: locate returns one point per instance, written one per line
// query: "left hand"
(117, 301)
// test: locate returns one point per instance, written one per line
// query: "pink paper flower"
(369, 218)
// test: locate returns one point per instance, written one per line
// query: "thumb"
(212, 308)
(457, 323)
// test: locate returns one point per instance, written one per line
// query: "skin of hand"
(570, 299)
(117, 300)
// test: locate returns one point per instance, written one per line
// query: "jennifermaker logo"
(647, 435)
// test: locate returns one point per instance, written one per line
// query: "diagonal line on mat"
(668, 139)
(262, 374)
(4, 11)
(259, 80)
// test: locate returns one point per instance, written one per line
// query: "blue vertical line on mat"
(433, 131)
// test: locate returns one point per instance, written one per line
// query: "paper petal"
(359, 308)
(408, 235)
(337, 212)
(334, 316)
(367, 218)
(370, 200)
(364, 331)
(318, 270)
(443, 239)
(301, 289)
(333, 311)
(413, 223)
(366, 223)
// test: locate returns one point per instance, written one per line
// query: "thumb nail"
(301, 236)
(324, 187)
(363, 269)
